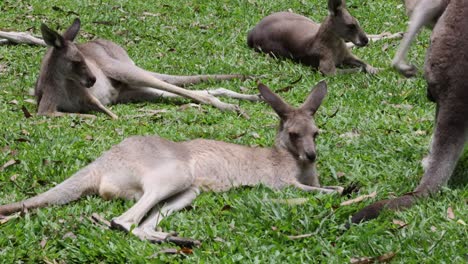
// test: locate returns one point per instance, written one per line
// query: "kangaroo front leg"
(424, 13)
(93, 100)
(354, 61)
(325, 189)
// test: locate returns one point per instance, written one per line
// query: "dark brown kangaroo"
(321, 46)
(78, 78)
(445, 71)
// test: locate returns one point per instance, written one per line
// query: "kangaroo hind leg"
(157, 185)
(146, 230)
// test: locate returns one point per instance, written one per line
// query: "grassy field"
(377, 138)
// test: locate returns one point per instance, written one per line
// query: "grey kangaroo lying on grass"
(321, 46)
(165, 176)
(78, 78)
(422, 13)
(446, 70)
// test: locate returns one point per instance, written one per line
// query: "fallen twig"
(20, 38)
(358, 199)
(374, 38)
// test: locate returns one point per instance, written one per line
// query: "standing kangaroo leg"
(423, 14)
(450, 135)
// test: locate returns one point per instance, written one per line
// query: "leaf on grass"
(99, 220)
(31, 101)
(69, 235)
(450, 214)
(364, 260)
(300, 236)
(189, 105)
(226, 207)
(88, 137)
(43, 243)
(359, 199)
(4, 219)
(340, 174)
(13, 102)
(26, 112)
(461, 222)
(433, 228)
(291, 201)
(274, 228)
(183, 251)
(399, 223)
(14, 177)
(350, 134)
(3, 67)
(8, 164)
(150, 14)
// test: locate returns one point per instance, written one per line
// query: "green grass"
(210, 37)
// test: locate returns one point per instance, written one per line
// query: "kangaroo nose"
(311, 156)
(91, 81)
(365, 41)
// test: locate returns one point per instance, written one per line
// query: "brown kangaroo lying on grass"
(422, 13)
(321, 46)
(446, 70)
(165, 176)
(78, 78)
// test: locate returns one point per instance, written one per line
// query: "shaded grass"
(209, 37)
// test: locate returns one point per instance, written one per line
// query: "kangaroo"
(445, 72)
(78, 78)
(421, 13)
(165, 176)
(322, 46)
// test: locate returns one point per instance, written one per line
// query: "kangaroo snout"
(90, 82)
(362, 41)
(311, 156)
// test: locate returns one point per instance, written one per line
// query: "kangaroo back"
(80, 184)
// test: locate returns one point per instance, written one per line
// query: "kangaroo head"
(297, 132)
(344, 24)
(65, 57)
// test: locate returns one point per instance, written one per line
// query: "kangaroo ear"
(280, 107)
(51, 37)
(334, 6)
(315, 98)
(72, 31)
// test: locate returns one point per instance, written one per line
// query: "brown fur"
(321, 46)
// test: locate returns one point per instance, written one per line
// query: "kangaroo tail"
(373, 211)
(82, 183)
